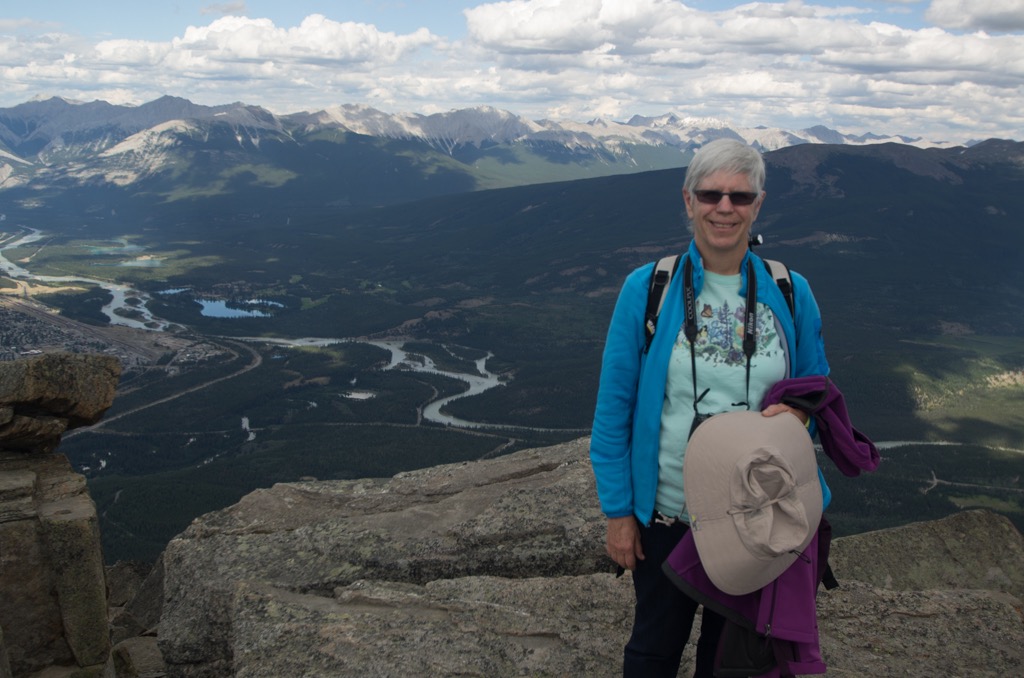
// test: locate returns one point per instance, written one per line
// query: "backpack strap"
(666, 267)
(660, 278)
(780, 272)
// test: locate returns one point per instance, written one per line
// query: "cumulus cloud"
(567, 26)
(996, 16)
(316, 40)
(754, 62)
(787, 64)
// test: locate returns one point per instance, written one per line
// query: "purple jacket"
(785, 611)
(849, 449)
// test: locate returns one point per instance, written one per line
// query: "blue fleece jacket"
(627, 420)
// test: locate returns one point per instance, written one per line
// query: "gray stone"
(871, 631)
(39, 435)
(488, 568)
(53, 607)
(136, 658)
(471, 626)
(533, 513)
(138, 614)
(72, 537)
(17, 495)
(29, 611)
(147, 604)
(124, 580)
(968, 550)
(73, 386)
(498, 568)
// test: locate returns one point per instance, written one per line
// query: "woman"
(649, 401)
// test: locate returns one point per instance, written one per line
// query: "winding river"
(401, 359)
(121, 293)
(478, 382)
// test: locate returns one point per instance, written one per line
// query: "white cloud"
(316, 40)
(131, 52)
(779, 64)
(755, 62)
(557, 26)
(996, 16)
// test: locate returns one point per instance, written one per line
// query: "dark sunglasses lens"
(708, 197)
(715, 197)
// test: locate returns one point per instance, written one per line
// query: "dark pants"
(664, 614)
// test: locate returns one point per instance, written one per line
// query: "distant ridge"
(59, 142)
(463, 126)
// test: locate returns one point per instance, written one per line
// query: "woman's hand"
(624, 541)
(777, 408)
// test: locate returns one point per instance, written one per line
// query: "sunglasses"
(736, 197)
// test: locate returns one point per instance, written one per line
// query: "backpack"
(666, 268)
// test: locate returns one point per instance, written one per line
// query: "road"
(256, 361)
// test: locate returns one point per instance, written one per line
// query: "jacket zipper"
(771, 611)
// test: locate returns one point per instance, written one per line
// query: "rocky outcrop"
(529, 514)
(42, 397)
(53, 604)
(490, 568)
(498, 568)
(972, 550)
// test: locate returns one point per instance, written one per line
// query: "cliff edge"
(53, 599)
(489, 568)
(497, 568)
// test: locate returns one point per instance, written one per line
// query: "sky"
(944, 70)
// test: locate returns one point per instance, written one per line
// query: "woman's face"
(722, 228)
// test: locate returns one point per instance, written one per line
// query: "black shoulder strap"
(666, 268)
(660, 278)
(780, 272)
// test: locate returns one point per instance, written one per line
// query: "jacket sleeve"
(616, 397)
(810, 354)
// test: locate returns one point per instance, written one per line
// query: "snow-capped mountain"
(56, 142)
(484, 125)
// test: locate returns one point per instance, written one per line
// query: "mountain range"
(173, 147)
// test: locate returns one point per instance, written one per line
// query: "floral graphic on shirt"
(720, 334)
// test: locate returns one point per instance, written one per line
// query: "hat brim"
(733, 443)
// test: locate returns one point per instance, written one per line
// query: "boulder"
(497, 567)
(529, 514)
(77, 387)
(53, 607)
(53, 591)
(968, 550)
(43, 396)
(136, 658)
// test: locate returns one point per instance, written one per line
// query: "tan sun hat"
(752, 495)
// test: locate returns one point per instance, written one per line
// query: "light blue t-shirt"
(721, 368)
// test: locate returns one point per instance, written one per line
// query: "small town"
(28, 327)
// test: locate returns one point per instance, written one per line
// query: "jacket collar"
(698, 268)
